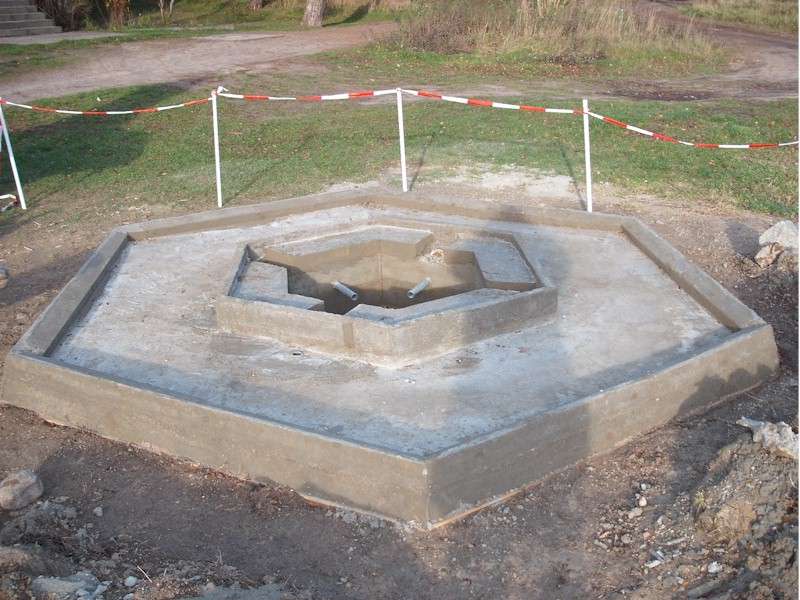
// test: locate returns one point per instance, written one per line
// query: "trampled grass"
(86, 165)
(776, 15)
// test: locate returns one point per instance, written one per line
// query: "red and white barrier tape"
(105, 113)
(419, 93)
(487, 103)
(672, 140)
(577, 111)
(321, 98)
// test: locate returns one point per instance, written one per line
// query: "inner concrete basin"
(543, 337)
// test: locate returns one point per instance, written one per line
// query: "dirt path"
(184, 61)
(765, 68)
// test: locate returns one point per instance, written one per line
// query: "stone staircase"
(20, 17)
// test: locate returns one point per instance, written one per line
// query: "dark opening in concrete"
(382, 279)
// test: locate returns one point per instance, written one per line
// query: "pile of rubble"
(778, 244)
(733, 538)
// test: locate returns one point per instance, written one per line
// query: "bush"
(68, 14)
(561, 31)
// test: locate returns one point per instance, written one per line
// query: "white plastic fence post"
(7, 138)
(587, 154)
(215, 119)
(402, 136)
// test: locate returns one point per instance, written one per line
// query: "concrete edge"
(705, 290)
(338, 471)
(47, 330)
(464, 476)
(242, 216)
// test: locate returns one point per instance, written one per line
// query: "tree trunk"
(256, 5)
(314, 12)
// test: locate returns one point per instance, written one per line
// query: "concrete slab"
(132, 349)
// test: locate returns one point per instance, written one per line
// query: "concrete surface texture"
(619, 317)
(132, 349)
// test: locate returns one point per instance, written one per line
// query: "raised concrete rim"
(45, 333)
(431, 489)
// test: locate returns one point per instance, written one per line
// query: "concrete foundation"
(545, 336)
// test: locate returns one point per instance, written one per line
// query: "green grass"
(390, 59)
(775, 15)
(78, 167)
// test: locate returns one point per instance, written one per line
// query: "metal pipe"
(402, 135)
(417, 289)
(215, 127)
(345, 291)
(587, 155)
(7, 138)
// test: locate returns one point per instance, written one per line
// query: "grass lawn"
(76, 166)
(383, 59)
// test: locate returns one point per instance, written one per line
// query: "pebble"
(635, 512)
(128, 597)
(98, 511)
(3, 277)
(130, 581)
(20, 489)
(626, 539)
(642, 501)
(714, 567)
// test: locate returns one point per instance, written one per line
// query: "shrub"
(69, 14)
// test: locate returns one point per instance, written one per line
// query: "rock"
(98, 511)
(79, 585)
(778, 438)
(4, 277)
(626, 539)
(783, 233)
(714, 567)
(768, 255)
(20, 489)
(130, 581)
(635, 512)
(642, 501)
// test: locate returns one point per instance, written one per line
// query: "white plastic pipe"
(587, 154)
(402, 136)
(418, 289)
(345, 291)
(17, 182)
(217, 167)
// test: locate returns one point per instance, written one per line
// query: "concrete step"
(13, 10)
(28, 30)
(19, 15)
(23, 18)
(17, 3)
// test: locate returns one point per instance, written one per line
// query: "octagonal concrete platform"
(132, 349)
